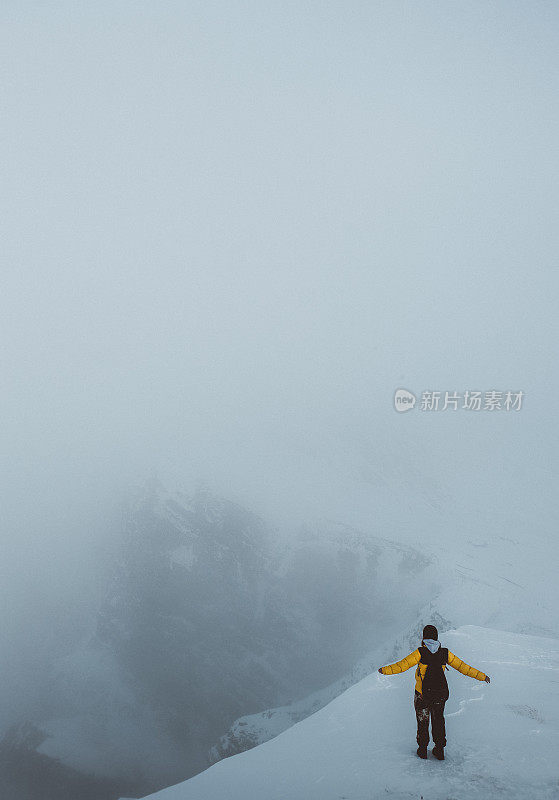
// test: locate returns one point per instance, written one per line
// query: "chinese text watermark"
(469, 400)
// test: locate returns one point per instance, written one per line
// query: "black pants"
(434, 708)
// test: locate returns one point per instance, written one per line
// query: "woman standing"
(431, 688)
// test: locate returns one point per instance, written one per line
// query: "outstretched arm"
(403, 665)
(465, 669)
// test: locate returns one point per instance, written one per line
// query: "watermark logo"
(470, 400)
(404, 400)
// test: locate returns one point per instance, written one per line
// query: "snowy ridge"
(502, 737)
(496, 581)
(254, 729)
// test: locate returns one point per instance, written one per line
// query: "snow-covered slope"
(503, 738)
(493, 581)
(254, 729)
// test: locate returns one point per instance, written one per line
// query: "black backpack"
(434, 685)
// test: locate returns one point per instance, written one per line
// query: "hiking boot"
(422, 752)
(438, 752)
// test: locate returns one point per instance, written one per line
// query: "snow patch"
(362, 744)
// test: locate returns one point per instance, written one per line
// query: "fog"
(230, 231)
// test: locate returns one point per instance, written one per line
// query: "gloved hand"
(487, 679)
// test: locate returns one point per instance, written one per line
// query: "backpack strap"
(427, 657)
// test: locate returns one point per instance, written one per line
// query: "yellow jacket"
(414, 658)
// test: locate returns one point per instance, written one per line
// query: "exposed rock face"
(189, 616)
(206, 619)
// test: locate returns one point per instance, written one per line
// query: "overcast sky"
(231, 230)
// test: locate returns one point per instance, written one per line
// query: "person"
(431, 688)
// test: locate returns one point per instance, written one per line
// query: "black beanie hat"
(430, 632)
